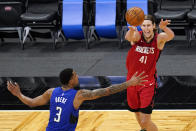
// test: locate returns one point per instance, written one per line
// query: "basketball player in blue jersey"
(65, 100)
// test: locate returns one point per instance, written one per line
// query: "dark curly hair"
(66, 75)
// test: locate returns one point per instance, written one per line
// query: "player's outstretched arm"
(165, 36)
(97, 93)
(132, 35)
(169, 33)
(43, 99)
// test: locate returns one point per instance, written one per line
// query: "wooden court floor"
(173, 120)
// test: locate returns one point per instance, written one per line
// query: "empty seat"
(72, 19)
(10, 22)
(174, 15)
(107, 16)
(41, 14)
(173, 9)
(192, 22)
(176, 11)
(76, 20)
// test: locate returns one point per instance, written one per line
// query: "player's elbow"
(32, 104)
(172, 36)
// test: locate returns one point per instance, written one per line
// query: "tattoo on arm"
(97, 93)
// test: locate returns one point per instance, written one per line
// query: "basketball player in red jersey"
(143, 55)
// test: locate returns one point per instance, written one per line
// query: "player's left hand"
(163, 24)
(14, 88)
(137, 79)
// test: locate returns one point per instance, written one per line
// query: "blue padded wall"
(72, 19)
(105, 18)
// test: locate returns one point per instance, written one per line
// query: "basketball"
(135, 16)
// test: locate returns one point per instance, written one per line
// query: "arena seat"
(76, 20)
(72, 19)
(191, 19)
(10, 22)
(41, 14)
(107, 18)
(153, 6)
(176, 11)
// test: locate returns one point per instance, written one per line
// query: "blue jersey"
(63, 116)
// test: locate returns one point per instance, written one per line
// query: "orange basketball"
(135, 16)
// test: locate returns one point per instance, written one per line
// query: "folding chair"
(41, 14)
(105, 14)
(72, 19)
(192, 22)
(76, 20)
(10, 12)
(176, 11)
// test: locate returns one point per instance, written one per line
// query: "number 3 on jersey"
(143, 59)
(59, 109)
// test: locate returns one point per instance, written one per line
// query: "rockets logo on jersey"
(145, 50)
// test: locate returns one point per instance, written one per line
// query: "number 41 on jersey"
(143, 59)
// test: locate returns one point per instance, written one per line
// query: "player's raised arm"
(165, 36)
(135, 17)
(97, 93)
(132, 35)
(43, 99)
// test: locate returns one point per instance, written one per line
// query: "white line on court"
(91, 110)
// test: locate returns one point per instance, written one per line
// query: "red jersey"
(143, 57)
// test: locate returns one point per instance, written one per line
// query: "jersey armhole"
(73, 102)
